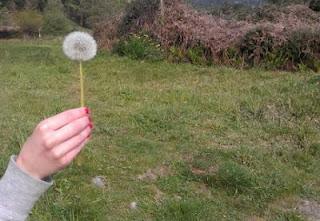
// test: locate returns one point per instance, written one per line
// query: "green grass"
(227, 144)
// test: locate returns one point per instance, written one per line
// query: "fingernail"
(87, 110)
(90, 125)
(89, 136)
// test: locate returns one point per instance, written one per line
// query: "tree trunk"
(162, 8)
(81, 11)
(81, 20)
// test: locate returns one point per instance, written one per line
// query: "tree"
(55, 20)
(87, 12)
(54, 6)
(77, 10)
(35, 4)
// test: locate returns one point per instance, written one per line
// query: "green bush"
(315, 5)
(255, 46)
(301, 49)
(232, 57)
(5, 18)
(176, 54)
(139, 47)
(29, 21)
(56, 24)
(258, 48)
(197, 55)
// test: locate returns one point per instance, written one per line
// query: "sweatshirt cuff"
(19, 190)
(39, 186)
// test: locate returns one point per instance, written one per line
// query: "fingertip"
(87, 110)
(81, 111)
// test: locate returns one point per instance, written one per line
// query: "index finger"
(64, 118)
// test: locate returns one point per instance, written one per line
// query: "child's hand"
(55, 142)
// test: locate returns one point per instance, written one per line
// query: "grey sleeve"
(19, 192)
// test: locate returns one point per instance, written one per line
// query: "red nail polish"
(89, 136)
(87, 110)
(90, 125)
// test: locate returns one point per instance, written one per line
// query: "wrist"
(21, 162)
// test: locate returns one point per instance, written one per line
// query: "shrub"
(137, 13)
(5, 18)
(232, 57)
(302, 48)
(30, 22)
(315, 149)
(8, 28)
(176, 54)
(195, 55)
(256, 45)
(139, 47)
(55, 21)
(56, 24)
(186, 35)
(315, 5)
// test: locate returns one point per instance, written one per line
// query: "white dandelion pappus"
(133, 205)
(79, 46)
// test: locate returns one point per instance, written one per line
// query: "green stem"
(81, 86)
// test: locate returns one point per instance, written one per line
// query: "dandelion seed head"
(133, 205)
(79, 46)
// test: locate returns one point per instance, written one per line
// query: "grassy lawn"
(184, 142)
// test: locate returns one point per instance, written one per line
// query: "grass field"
(184, 142)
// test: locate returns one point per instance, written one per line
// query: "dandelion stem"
(81, 86)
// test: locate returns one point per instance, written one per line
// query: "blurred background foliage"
(262, 33)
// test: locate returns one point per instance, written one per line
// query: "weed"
(139, 47)
(234, 177)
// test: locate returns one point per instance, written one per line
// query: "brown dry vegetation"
(184, 27)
